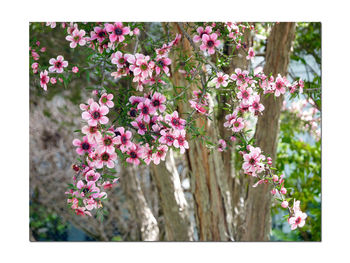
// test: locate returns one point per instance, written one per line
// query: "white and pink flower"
(58, 64)
(96, 114)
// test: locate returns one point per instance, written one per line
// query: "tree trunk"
(147, 224)
(258, 211)
(172, 200)
(210, 188)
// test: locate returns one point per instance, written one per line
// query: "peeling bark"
(257, 224)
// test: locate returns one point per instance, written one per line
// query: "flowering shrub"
(141, 122)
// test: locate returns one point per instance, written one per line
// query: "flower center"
(252, 161)
(161, 63)
(101, 34)
(124, 139)
(93, 129)
(298, 220)
(133, 113)
(169, 138)
(143, 67)
(175, 122)
(105, 157)
(156, 103)
(210, 43)
(121, 60)
(96, 115)
(145, 110)
(58, 64)
(133, 155)
(118, 31)
(85, 146)
(142, 126)
(107, 141)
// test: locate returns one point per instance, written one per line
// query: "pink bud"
(283, 190)
(274, 191)
(53, 80)
(275, 178)
(233, 138)
(43, 49)
(136, 31)
(75, 69)
(37, 43)
(284, 204)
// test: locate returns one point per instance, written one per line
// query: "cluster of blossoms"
(208, 39)
(144, 70)
(151, 131)
(248, 90)
(101, 144)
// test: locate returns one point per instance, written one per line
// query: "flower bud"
(284, 204)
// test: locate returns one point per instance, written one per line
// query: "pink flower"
(279, 86)
(35, 67)
(284, 204)
(44, 79)
(53, 80)
(51, 24)
(160, 154)
(88, 190)
(222, 145)
(180, 141)
(140, 125)
(283, 190)
(245, 94)
(96, 114)
(298, 220)
(119, 59)
(146, 109)
(75, 69)
(230, 118)
(256, 106)
(167, 137)
(240, 76)
(210, 42)
(252, 161)
(157, 101)
(201, 32)
(107, 159)
(77, 37)
(237, 125)
(221, 80)
(162, 63)
(123, 138)
(106, 143)
(251, 54)
(84, 146)
(141, 68)
(147, 154)
(118, 31)
(135, 154)
(57, 64)
(92, 176)
(99, 33)
(106, 99)
(175, 121)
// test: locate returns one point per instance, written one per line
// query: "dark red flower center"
(143, 67)
(124, 139)
(252, 161)
(156, 103)
(118, 31)
(107, 141)
(133, 155)
(133, 113)
(175, 121)
(96, 115)
(169, 138)
(105, 156)
(210, 43)
(101, 34)
(145, 110)
(58, 64)
(298, 220)
(85, 146)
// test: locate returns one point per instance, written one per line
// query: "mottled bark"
(172, 200)
(210, 188)
(138, 206)
(258, 216)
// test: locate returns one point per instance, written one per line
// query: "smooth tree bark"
(138, 207)
(172, 200)
(257, 225)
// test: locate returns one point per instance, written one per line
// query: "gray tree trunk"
(172, 200)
